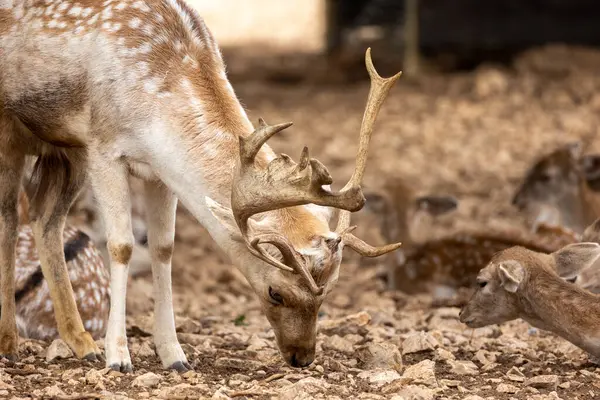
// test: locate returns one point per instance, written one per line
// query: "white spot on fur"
(75, 11)
(106, 2)
(52, 24)
(148, 29)
(106, 25)
(159, 17)
(135, 23)
(121, 6)
(145, 48)
(143, 67)
(116, 27)
(6, 4)
(17, 12)
(107, 13)
(151, 85)
(86, 12)
(63, 6)
(140, 5)
(62, 24)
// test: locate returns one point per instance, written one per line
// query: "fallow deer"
(105, 89)
(443, 265)
(87, 273)
(521, 283)
(559, 189)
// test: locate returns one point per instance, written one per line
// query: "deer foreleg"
(111, 188)
(161, 207)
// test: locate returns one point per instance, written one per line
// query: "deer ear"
(512, 273)
(436, 205)
(225, 217)
(573, 258)
(591, 171)
(592, 233)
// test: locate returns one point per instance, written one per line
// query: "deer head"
(296, 255)
(504, 282)
(555, 188)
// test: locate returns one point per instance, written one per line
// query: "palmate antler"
(285, 184)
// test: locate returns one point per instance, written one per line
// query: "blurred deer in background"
(559, 189)
(442, 266)
(87, 272)
(139, 88)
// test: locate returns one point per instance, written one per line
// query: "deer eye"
(276, 298)
(482, 284)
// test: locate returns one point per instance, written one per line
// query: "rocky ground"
(470, 134)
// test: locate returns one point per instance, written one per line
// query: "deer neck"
(195, 153)
(552, 304)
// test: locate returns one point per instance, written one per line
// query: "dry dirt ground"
(469, 134)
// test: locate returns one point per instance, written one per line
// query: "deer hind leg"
(111, 188)
(11, 168)
(161, 210)
(55, 183)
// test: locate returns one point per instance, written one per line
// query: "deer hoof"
(180, 366)
(124, 367)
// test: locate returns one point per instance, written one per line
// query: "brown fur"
(121, 253)
(164, 253)
(520, 283)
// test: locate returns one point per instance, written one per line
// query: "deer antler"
(285, 184)
(380, 87)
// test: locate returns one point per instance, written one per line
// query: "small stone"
(53, 391)
(147, 380)
(380, 355)
(443, 354)
(418, 342)
(380, 377)
(514, 374)
(187, 325)
(449, 383)
(320, 369)
(71, 373)
(422, 373)
(485, 357)
(256, 343)
(58, 349)
(338, 344)
(543, 382)
(473, 397)
(506, 388)
(306, 388)
(6, 386)
(145, 350)
(413, 392)
(93, 376)
(463, 367)
(565, 385)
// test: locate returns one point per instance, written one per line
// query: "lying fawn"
(108, 89)
(443, 265)
(559, 189)
(521, 283)
(88, 275)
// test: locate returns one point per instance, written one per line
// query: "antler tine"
(250, 145)
(378, 91)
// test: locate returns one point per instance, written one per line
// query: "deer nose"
(301, 358)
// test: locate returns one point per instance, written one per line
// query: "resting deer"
(113, 88)
(446, 264)
(521, 283)
(87, 273)
(559, 189)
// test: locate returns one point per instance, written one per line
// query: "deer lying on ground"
(521, 283)
(559, 189)
(442, 266)
(113, 88)
(87, 273)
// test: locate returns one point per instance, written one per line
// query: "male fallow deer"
(87, 272)
(521, 283)
(559, 189)
(443, 265)
(105, 89)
